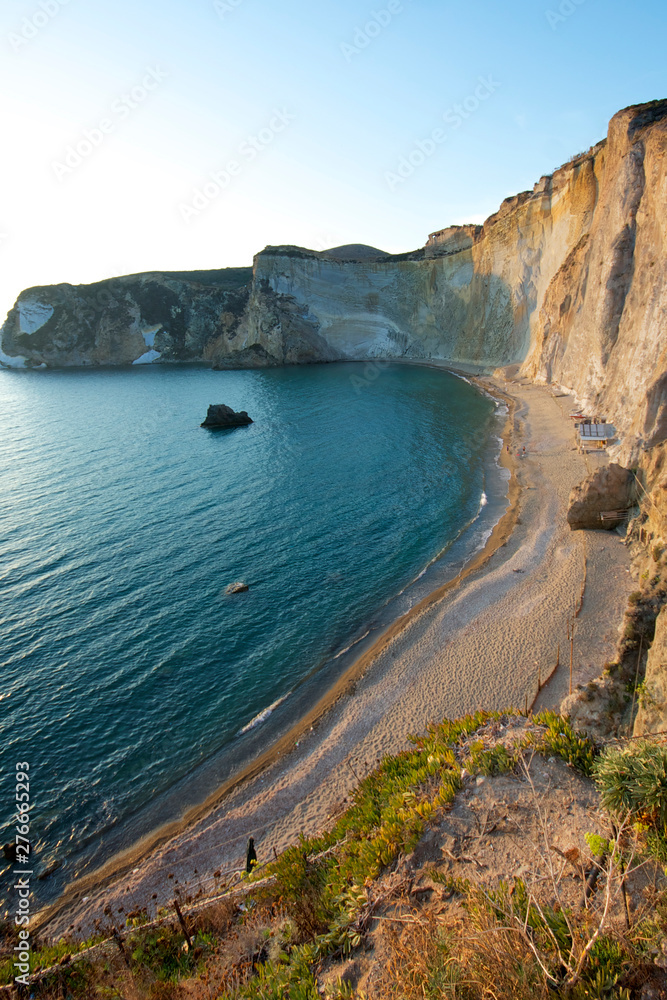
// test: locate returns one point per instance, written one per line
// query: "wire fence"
(189, 886)
(240, 885)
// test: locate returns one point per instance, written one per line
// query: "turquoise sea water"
(128, 678)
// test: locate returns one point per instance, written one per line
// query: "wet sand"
(485, 641)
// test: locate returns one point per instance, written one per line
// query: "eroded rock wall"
(472, 297)
(601, 328)
(652, 713)
(568, 280)
(136, 319)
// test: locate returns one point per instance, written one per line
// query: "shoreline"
(122, 861)
(307, 770)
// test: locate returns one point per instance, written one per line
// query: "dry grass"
(430, 960)
(400, 923)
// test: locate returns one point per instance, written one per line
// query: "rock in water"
(237, 588)
(220, 415)
(608, 489)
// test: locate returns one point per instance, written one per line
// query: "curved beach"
(487, 640)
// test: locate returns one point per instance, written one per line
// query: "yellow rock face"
(568, 280)
(652, 714)
(600, 329)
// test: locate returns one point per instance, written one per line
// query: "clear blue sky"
(180, 87)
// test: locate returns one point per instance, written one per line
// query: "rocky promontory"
(133, 320)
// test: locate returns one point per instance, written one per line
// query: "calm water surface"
(125, 668)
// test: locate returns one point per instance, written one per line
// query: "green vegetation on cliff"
(379, 906)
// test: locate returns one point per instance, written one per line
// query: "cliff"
(136, 319)
(653, 693)
(599, 329)
(568, 280)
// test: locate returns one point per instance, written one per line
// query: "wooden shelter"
(598, 434)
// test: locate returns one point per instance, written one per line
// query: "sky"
(190, 134)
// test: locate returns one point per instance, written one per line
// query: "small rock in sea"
(237, 588)
(223, 416)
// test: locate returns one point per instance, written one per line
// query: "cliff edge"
(568, 280)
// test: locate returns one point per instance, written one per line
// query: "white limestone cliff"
(568, 280)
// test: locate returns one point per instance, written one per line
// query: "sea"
(131, 681)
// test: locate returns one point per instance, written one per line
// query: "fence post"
(121, 947)
(571, 636)
(184, 926)
(634, 693)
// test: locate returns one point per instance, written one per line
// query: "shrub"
(423, 963)
(301, 883)
(562, 741)
(496, 760)
(633, 781)
(276, 981)
(629, 632)
(43, 955)
(71, 981)
(164, 991)
(161, 951)
(507, 947)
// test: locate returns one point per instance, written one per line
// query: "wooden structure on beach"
(598, 434)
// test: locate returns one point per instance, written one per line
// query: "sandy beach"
(485, 642)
